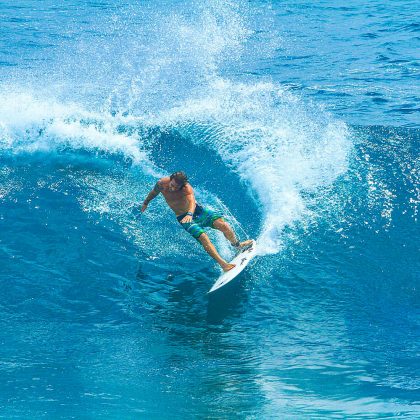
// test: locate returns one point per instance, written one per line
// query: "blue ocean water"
(298, 119)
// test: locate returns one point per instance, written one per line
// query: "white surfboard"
(240, 261)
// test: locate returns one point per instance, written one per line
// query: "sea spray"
(276, 144)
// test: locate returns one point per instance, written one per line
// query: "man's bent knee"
(221, 225)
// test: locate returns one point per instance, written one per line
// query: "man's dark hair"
(180, 178)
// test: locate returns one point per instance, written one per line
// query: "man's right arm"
(152, 194)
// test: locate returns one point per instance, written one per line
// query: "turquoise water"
(298, 119)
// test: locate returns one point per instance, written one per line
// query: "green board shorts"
(202, 218)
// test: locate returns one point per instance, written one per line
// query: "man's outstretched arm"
(152, 194)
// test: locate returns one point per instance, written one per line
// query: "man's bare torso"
(179, 201)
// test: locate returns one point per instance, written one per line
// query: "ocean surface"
(298, 119)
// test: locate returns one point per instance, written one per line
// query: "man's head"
(177, 181)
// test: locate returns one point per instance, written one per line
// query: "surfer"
(179, 195)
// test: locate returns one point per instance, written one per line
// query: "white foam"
(29, 124)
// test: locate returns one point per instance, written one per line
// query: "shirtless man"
(179, 195)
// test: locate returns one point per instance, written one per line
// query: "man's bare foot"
(243, 245)
(228, 267)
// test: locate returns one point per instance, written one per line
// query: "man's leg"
(225, 228)
(211, 250)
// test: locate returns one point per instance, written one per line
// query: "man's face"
(173, 186)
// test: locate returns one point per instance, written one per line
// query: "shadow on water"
(227, 302)
(170, 284)
(179, 294)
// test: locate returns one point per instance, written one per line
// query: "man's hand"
(152, 194)
(187, 219)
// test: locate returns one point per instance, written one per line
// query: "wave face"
(105, 311)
